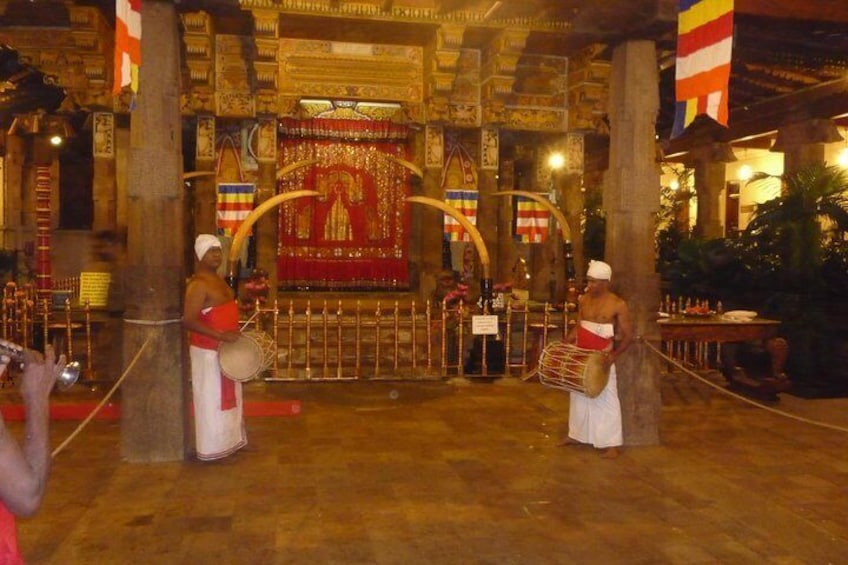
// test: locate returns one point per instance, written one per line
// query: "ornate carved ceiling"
(782, 47)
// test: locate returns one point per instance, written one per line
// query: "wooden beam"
(823, 10)
(822, 101)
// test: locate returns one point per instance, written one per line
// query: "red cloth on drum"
(589, 340)
(10, 554)
(223, 318)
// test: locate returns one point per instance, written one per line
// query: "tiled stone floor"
(458, 472)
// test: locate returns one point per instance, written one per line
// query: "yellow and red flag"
(466, 202)
(531, 220)
(235, 203)
(127, 44)
(702, 73)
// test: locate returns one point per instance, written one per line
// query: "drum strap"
(590, 340)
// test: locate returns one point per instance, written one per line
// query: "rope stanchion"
(103, 402)
(723, 390)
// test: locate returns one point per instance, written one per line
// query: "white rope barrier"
(723, 390)
(106, 398)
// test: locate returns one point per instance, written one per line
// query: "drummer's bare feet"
(610, 453)
(569, 441)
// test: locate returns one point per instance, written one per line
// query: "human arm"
(571, 336)
(624, 333)
(24, 470)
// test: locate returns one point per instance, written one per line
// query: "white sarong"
(218, 433)
(597, 421)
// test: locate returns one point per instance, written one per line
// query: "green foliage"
(790, 264)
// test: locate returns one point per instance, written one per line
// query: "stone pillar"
(709, 163)
(804, 143)
(204, 190)
(154, 405)
(631, 200)
(104, 187)
(266, 227)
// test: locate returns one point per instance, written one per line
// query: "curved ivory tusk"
(464, 222)
(257, 213)
(295, 166)
(560, 217)
(195, 174)
(407, 164)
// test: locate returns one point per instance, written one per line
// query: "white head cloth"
(599, 270)
(204, 243)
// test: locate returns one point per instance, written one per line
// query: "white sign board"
(484, 325)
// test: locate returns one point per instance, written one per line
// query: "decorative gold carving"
(197, 23)
(232, 77)
(288, 106)
(267, 102)
(574, 153)
(588, 90)
(266, 23)
(434, 143)
(348, 70)
(449, 36)
(441, 82)
(415, 12)
(197, 46)
(205, 146)
(446, 60)
(266, 140)
(234, 104)
(489, 149)
(438, 109)
(494, 112)
(465, 115)
(538, 119)
(103, 136)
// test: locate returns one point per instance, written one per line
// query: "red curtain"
(354, 235)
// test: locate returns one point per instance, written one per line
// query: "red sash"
(9, 552)
(591, 340)
(223, 318)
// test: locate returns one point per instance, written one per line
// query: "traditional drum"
(245, 358)
(567, 367)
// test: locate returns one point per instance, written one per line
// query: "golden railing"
(30, 322)
(336, 341)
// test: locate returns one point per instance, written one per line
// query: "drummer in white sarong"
(603, 324)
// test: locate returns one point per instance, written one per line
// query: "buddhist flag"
(235, 202)
(466, 202)
(704, 45)
(127, 44)
(531, 220)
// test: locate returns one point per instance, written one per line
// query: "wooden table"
(716, 329)
(695, 340)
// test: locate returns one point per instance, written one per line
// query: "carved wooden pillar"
(631, 200)
(487, 203)
(573, 201)
(506, 243)
(204, 190)
(104, 187)
(154, 406)
(432, 220)
(266, 227)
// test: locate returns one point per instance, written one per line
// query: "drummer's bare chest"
(598, 311)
